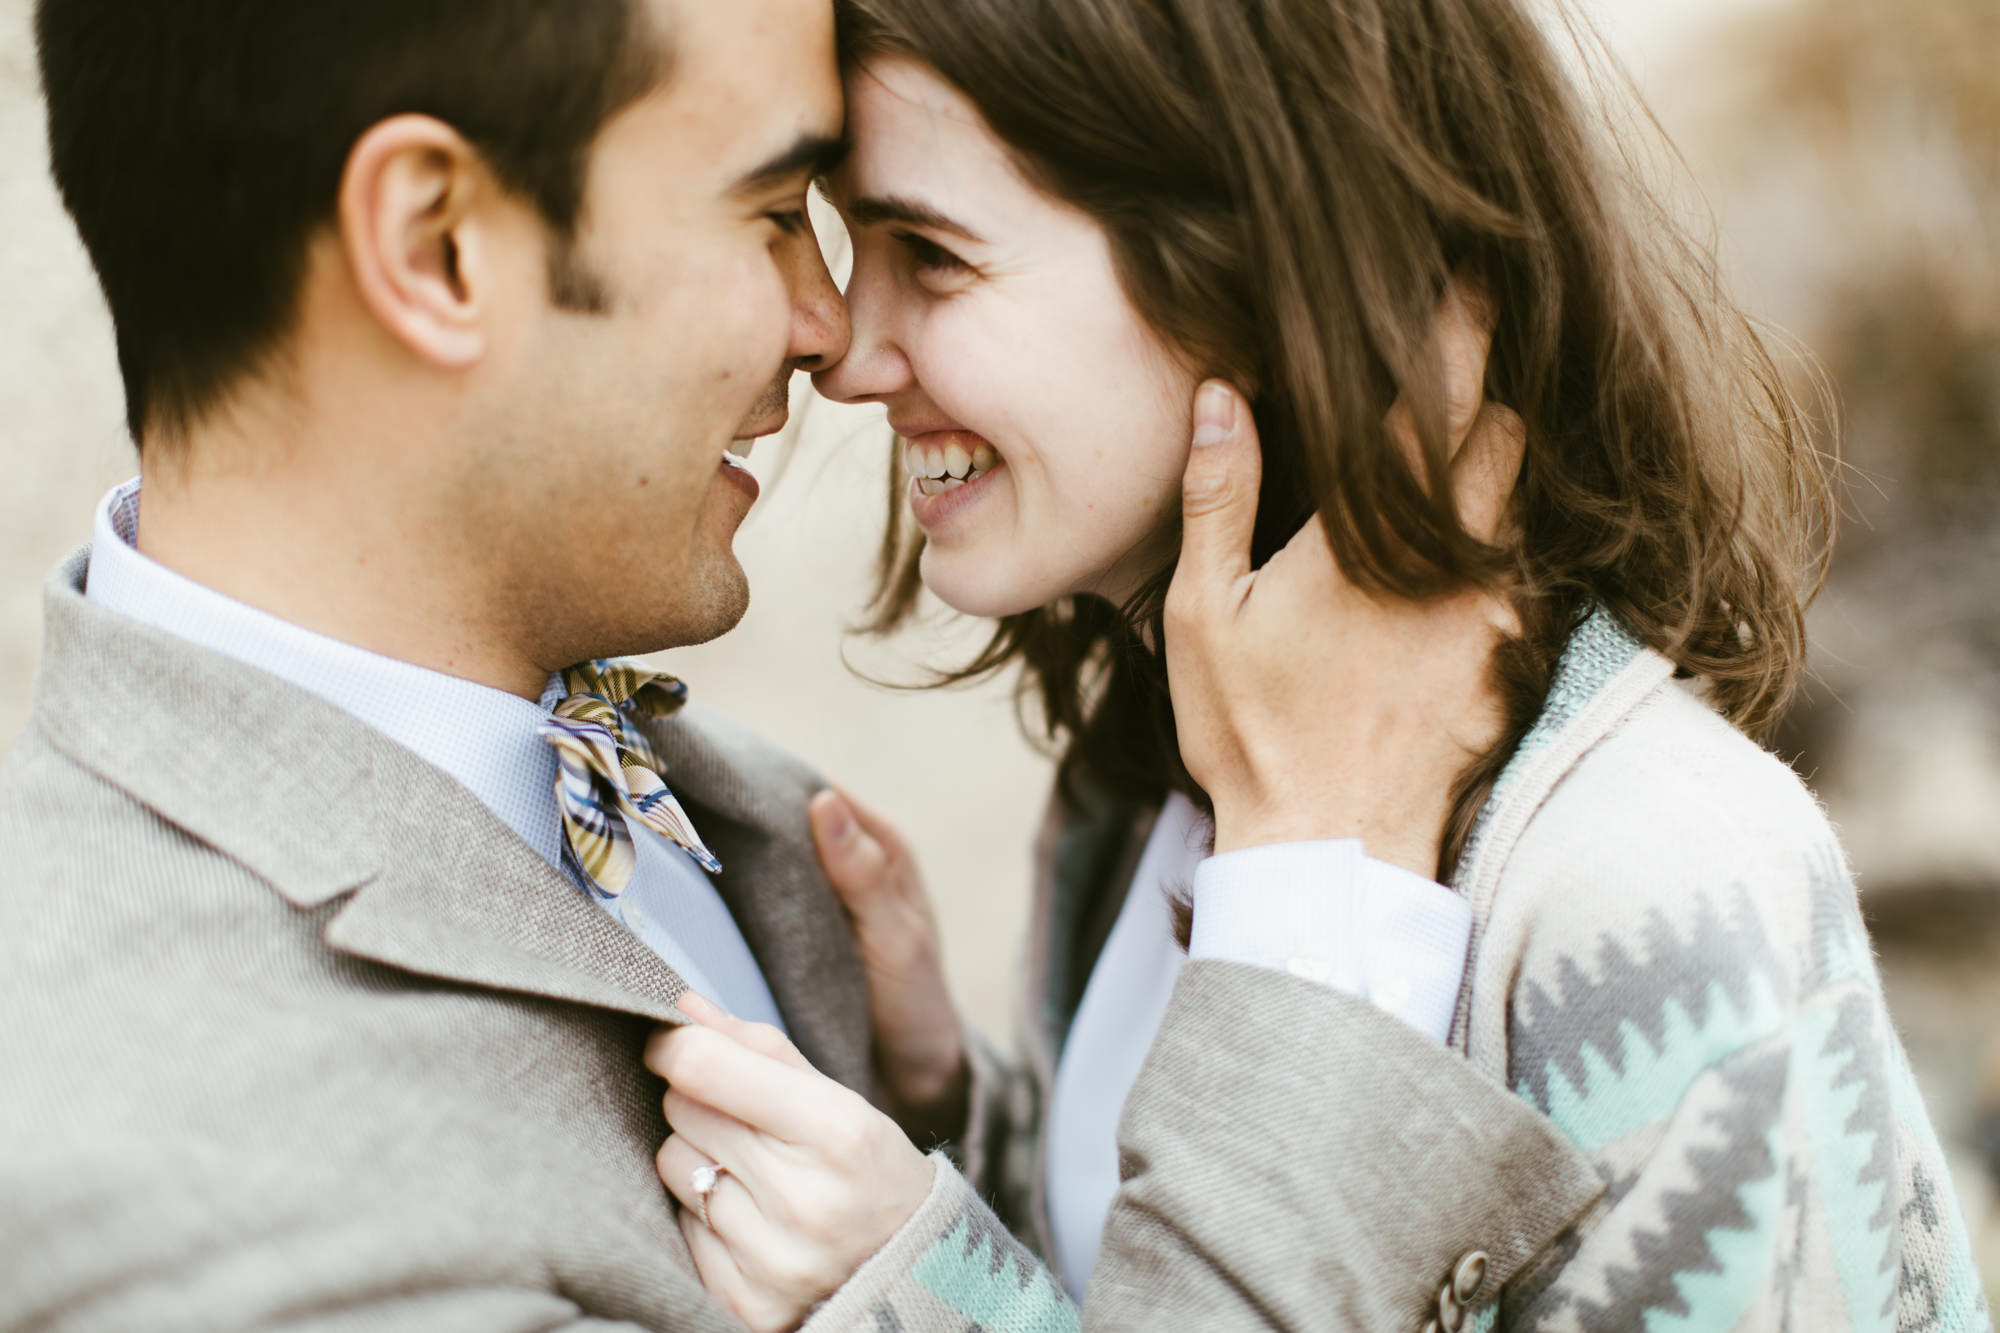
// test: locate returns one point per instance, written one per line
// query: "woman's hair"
(1288, 187)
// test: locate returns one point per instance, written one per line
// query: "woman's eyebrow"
(873, 210)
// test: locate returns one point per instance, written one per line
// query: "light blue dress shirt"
(485, 738)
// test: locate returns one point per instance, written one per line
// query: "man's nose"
(821, 330)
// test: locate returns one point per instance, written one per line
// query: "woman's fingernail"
(1214, 414)
(698, 1007)
(840, 823)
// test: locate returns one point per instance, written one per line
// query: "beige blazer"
(295, 1033)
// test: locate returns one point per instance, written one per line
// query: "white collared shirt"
(488, 740)
(1322, 911)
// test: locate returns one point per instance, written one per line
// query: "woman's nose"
(875, 366)
(870, 372)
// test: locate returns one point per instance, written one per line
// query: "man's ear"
(414, 238)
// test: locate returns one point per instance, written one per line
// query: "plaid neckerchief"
(609, 773)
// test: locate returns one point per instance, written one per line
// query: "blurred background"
(1844, 155)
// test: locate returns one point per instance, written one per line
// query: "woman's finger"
(773, 1095)
(1465, 321)
(654, 1054)
(759, 1037)
(1487, 472)
(729, 1272)
(720, 1272)
(1218, 501)
(722, 1138)
(856, 863)
(713, 1261)
(676, 1163)
(877, 825)
(1462, 333)
(732, 1207)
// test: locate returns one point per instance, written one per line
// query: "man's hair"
(200, 144)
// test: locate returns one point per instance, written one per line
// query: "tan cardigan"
(1669, 977)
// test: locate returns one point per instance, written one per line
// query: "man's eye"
(792, 223)
(929, 256)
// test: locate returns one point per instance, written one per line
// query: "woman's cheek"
(967, 370)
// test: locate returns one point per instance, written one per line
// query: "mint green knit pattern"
(1720, 1295)
(1614, 1099)
(1745, 1138)
(983, 1274)
(1730, 1067)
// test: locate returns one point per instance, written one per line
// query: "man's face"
(598, 487)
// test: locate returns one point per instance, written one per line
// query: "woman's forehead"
(908, 84)
(917, 139)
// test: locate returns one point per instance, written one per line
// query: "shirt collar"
(485, 738)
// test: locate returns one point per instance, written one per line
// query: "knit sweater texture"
(1669, 962)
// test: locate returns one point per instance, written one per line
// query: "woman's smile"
(934, 503)
(948, 468)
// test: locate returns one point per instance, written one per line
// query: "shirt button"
(635, 918)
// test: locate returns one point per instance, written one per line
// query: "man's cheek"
(748, 322)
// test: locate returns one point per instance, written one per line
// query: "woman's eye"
(929, 256)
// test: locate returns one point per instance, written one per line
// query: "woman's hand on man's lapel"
(813, 1179)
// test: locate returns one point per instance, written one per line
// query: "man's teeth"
(736, 460)
(938, 470)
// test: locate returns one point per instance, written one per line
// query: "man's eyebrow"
(812, 155)
(874, 210)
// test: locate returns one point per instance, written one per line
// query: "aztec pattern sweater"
(1668, 962)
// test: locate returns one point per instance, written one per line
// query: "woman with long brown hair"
(1072, 217)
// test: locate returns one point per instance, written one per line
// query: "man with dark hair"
(337, 896)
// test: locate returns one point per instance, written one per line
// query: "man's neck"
(332, 550)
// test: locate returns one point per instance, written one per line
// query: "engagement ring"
(703, 1182)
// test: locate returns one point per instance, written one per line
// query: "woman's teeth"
(938, 470)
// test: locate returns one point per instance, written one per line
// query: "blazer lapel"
(461, 898)
(319, 805)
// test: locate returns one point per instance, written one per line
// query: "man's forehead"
(752, 81)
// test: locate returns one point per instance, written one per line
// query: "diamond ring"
(704, 1182)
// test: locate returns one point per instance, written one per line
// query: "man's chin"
(721, 608)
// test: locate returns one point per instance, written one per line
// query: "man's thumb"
(1219, 492)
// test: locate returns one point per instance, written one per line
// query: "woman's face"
(1045, 425)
